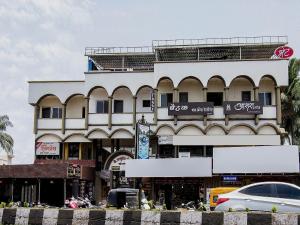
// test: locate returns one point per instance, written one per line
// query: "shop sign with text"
(47, 148)
(143, 140)
(244, 108)
(191, 108)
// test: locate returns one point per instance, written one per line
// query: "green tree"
(291, 102)
(6, 141)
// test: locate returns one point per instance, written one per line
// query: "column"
(39, 189)
(35, 118)
(63, 118)
(134, 111)
(155, 105)
(278, 105)
(205, 99)
(255, 89)
(109, 112)
(87, 104)
(226, 98)
(175, 100)
(65, 189)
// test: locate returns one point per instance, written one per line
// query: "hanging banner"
(244, 108)
(47, 148)
(143, 140)
(191, 108)
(152, 101)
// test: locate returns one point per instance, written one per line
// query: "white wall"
(49, 101)
(237, 86)
(125, 95)
(268, 85)
(194, 89)
(74, 107)
(144, 94)
(98, 94)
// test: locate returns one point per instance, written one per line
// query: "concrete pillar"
(87, 104)
(278, 105)
(175, 100)
(63, 118)
(155, 105)
(134, 112)
(255, 89)
(35, 118)
(204, 100)
(65, 189)
(226, 98)
(39, 190)
(110, 112)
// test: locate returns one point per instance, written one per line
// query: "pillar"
(205, 99)
(35, 119)
(39, 189)
(278, 106)
(175, 100)
(65, 189)
(134, 112)
(226, 98)
(109, 112)
(155, 105)
(255, 89)
(63, 118)
(87, 104)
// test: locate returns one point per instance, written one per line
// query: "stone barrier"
(25, 216)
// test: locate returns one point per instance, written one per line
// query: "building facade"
(213, 106)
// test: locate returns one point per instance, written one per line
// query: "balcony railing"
(49, 123)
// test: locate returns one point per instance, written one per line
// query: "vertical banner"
(152, 101)
(143, 140)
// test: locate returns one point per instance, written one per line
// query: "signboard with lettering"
(165, 140)
(244, 108)
(47, 148)
(191, 108)
(283, 52)
(74, 171)
(152, 101)
(230, 178)
(118, 163)
(143, 140)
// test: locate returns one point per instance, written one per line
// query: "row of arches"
(166, 129)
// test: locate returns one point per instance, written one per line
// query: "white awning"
(226, 140)
(77, 138)
(260, 159)
(172, 167)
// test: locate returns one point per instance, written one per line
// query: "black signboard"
(244, 108)
(74, 171)
(152, 101)
(191, 108)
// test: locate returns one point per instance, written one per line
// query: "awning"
(226, 140)
(260, 159)
(172, 167)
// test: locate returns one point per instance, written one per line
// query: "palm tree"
(6, 141)
(291, 102)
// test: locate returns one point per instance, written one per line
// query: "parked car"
(284, 197)
(126, 198)
(214, 194)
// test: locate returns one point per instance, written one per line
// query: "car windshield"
(259, 190)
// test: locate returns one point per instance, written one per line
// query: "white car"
(263, 196)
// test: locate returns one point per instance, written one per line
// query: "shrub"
(274, 209)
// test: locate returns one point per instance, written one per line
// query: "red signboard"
(283, 52)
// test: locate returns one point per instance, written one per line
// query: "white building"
(93, 119)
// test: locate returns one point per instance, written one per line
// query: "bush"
(2, 204)
(274, 209)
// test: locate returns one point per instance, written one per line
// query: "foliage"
(6, 141)
(247, 210)
(290, 98)
(2, 204)
(230, 210)
(274, 209)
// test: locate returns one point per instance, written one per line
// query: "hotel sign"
(191, 108)
(236, 107)
(47, 148)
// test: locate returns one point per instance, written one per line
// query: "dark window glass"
(118, 106)
(73, 150)
(209, 151)
(246, 96)
(195, 151)
(215, 97)
(146, 103)
(102, 107)
(83, 112)
(285, 191)
(165, 99)
(166, 151)
(183, 97)
(259, 190)
(56, 112)
(265, 98)
(46, 112)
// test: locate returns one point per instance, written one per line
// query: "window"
(285, 191)
(246, 96)
(166, 151)
(183, 97)
(146, 103)
(215, 97)
(73, 151)
(48, 112)
(259, 190)
(83, 112)
(118, 106)
(165, 99)
(102, 107)
(265, 98)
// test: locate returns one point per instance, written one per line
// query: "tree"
(6, 141)
(291, 102)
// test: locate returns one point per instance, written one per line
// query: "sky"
(45, 39)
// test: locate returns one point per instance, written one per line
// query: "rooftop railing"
(260, 40)
(118, 50)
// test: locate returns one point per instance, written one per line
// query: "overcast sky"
(45, 40)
